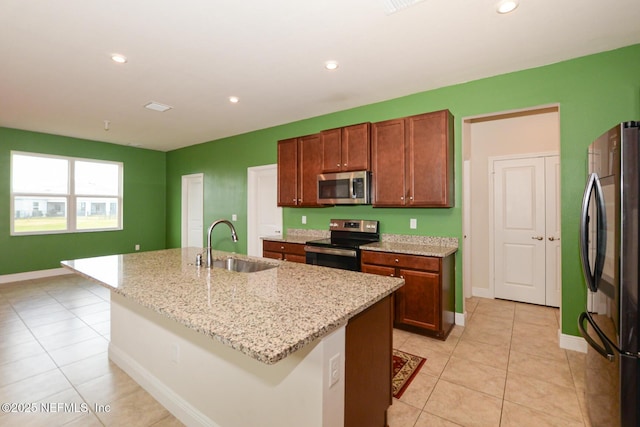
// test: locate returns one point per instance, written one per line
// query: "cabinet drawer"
(401, 260)
(270, 246)
(283, 247)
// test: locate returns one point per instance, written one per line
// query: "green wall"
(593, 92)
(144, 204)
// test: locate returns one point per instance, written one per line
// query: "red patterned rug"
(405, 368)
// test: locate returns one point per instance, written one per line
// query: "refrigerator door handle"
(592, 279)
(605, 350)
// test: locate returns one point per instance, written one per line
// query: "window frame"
(70, 196)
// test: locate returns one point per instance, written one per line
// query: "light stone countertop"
(415, 245)
(395, 243)
(266, 315)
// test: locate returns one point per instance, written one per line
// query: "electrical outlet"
(334, 370)
(137, 247)
(304, 219)
(413, 223)
(234, 217)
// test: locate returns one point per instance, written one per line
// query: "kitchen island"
(223, 348)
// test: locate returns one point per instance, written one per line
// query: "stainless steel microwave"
(345, 188)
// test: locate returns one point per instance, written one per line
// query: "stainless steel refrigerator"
(609, 235)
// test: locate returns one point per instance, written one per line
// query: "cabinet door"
(331, 150)
(388, 162)
(310, 165)
(288, 172)
(418, 301)
(356, 147)
(430, 159)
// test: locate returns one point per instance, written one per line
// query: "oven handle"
(331, 251)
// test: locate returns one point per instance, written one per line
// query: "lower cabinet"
(426, 303)
(293, 252)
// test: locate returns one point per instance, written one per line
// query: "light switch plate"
(304, 219)
(413, 223)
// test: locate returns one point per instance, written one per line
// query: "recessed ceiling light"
(234, 99)
(331, 65)
(120, 59)
(156, 106)
(507, 6)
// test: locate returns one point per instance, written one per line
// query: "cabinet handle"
(401, 197)
(392, 275)
(345, 165)
(397, 260)
(282, 248)
(338, 165)
(551, 239)
(401, 276)
(411, 198)
(537, 238)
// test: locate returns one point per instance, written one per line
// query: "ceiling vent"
(156, 106)
(393, 6)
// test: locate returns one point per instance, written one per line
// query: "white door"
(264, 217)
(192, 210)
(527, 230)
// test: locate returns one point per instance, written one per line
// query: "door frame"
(252, 214)
(184, 223)
(491, 161)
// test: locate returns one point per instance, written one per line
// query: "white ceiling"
(56, 75)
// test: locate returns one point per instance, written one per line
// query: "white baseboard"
(30, 275)
(175, 404)
(482, 292)
(460, 318)
(570, 342)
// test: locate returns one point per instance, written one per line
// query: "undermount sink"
(242, 265)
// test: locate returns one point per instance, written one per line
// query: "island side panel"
(368, 366)
(203, 382)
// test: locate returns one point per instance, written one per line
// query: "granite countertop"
(395, 243)
(295, 235)
(415, 245)
(266, 315)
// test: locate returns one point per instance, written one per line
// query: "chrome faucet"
(234, 237)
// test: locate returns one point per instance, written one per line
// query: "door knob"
(537, 238)
(551, 239)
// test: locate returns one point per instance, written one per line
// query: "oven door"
(345, 259)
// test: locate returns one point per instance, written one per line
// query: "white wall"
(506, 134)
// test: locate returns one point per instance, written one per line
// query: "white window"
(54, 194)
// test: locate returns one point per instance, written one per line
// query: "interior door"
(519, 230)
(264, 217)
(527, 252)
(192, 210)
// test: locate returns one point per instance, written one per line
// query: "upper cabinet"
(346, 149)
(412, 161)
(299, 163)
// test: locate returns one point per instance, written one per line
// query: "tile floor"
(503, 369)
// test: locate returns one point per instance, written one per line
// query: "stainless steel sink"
(241, 265)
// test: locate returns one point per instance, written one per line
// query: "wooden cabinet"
(346, 149)
(412, 161)
(368, 361)
(426, 303)
(293, 252)
(299, 163)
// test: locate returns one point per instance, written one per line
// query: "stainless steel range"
(342, 249)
